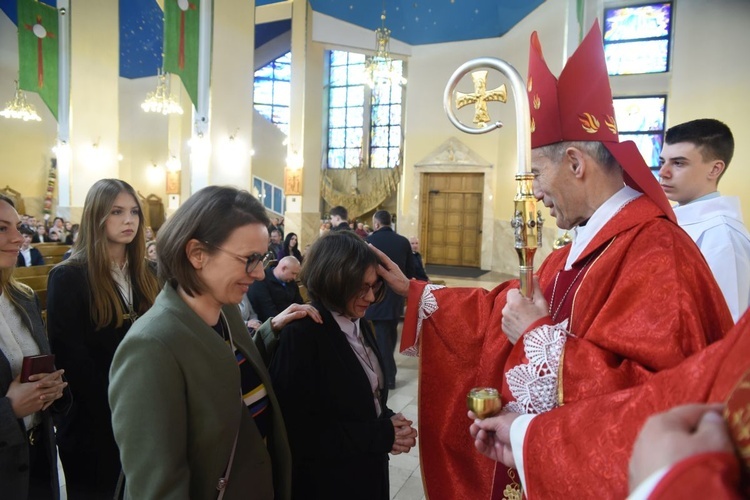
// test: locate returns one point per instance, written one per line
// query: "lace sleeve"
(427, 307)
(534, 384)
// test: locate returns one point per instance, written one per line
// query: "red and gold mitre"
(578, 107)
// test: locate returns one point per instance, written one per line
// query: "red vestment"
(643, 304)
(720, 373)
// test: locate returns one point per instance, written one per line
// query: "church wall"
(26, 147)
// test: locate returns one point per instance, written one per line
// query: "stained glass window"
(353, 139)
(270, 195)
(636, 39)
(273, 91)
(641, 120)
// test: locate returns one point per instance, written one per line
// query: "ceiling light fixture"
(19, 108)
(161, 101)
(380, 69)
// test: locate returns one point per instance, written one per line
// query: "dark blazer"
(35, 238)
(339, 447)
(14, 444)
(419, 272)
(36, 258)
(84, 435)
(269, 296)
(398, 249)
(343, 226)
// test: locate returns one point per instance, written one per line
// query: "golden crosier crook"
(527, 221)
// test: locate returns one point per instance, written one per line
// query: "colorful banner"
(181, 42)
(38, 51)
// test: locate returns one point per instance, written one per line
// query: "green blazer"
(175, 398)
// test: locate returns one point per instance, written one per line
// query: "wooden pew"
(23, 272)
(36, 278)
(52, 252)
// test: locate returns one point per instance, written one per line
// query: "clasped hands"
(521, 312)
(37, 394)
(405, 435)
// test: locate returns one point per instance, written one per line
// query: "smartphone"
(41, 363)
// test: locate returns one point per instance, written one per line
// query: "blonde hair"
(91, 251)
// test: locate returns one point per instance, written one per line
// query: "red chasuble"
(561, 459)
(641, 304)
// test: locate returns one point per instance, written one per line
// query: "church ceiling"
(415, 22)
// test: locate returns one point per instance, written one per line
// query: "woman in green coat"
(193, 410)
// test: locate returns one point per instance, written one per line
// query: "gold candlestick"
(484, 401)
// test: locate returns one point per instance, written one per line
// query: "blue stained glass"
(355, 116)
(267, 195)
(282, 72)
(396, 94)
(335, 158)
(393, 157)
(379, 158)
(357, 74)
(639, 114)
(282, 93)
(380, 115)
(265, 111)
(649, 146)
(277, 199)
(264, 72)
(356, 95)
(395, 113)
(338, 58)
(338, 76)
(336, 137)
(648, 21)
(338, 97)
(263, 92)
(395, 136)
(355, 58)
(337, 117)
(352, 158)
(380, 137)
(281, 115)
(354, 137)
(257, 187)
(285, 59)
(636, 57)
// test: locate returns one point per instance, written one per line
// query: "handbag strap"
(224, 480)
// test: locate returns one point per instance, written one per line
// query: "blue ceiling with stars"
(416, 22)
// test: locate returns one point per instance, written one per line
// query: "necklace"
(366, 360)
(126, 292)
(565, 295)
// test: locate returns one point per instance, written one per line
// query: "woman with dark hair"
(291, 247)
(329, 379)
(192, 403)
(28, 459)
(93, 298)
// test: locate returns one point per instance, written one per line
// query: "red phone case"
(42, 363)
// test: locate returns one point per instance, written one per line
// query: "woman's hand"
(390, 272)
(37, 394)
(405, 435)
(254, 324)
(294, 312)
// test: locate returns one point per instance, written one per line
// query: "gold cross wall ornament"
(480, 97)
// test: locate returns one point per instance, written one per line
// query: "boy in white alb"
(694, 157)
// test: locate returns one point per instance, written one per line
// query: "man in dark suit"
(28, 255)
(386, 314)
(339, 219)
(277, 291)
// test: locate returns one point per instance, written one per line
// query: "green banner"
(38, 51)
(181, 42)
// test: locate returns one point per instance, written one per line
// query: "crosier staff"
(527, 221)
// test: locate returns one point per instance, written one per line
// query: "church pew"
(52, 252)
(23, 272)
(35, 282)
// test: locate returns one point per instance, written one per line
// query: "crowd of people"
(188, 365)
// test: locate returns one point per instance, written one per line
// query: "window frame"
(660, 133)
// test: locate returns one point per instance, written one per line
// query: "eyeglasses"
(375, 287)
(250, 262)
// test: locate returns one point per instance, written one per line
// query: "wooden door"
(452, 219)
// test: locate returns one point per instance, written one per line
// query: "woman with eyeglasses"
(329, 380)
(193, 409)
